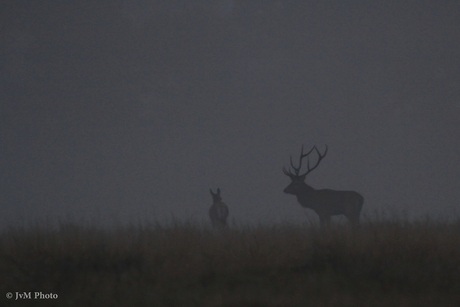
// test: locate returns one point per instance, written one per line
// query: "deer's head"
(298, 180)
(216, 196)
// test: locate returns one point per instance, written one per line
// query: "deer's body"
(325, 202)
(218, 211)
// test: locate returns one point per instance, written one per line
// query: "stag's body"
(326, 202)
(218, 211)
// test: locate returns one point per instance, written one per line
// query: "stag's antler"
(302, 155)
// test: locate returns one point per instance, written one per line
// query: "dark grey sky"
(132, 110)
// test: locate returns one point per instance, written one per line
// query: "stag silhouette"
(325, 202)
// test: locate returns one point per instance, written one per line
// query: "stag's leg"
(353, 216)
(355, 211)
(324, 220)
(354, 220)
(359, 207)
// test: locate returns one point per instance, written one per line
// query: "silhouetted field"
(383, 263)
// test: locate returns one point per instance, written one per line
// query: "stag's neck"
(307, 197)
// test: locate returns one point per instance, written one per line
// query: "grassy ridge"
(380, 264)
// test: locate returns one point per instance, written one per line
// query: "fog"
(128, 111)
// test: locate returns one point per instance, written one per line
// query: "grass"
(382, 263)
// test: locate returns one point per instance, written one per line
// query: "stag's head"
(298, 180)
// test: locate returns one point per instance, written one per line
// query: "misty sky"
(114, 111)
